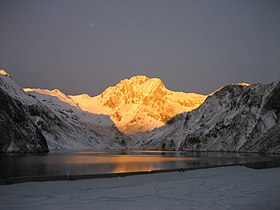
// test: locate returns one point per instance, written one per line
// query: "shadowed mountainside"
(239, 117)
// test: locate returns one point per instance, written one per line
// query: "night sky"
(193, 46)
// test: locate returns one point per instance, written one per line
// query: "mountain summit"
(139, 104)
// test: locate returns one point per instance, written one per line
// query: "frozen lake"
(62, 163)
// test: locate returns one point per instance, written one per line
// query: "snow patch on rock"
(4, 73)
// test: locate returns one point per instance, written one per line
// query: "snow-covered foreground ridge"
(217, 188)
(239, 117)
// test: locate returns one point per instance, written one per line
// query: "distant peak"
(243, 84)
(56, 91)
(3, 72)
(140, 79)
(85, 96)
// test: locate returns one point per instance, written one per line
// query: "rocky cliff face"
(139, 104)
(18, 133)
(235, 118)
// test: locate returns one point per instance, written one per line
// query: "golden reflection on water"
(154, 151)
(121, 168)
(118, 163)
(115, 159)
(91, 152)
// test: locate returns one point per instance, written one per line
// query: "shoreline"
(15, 180)
(235, 187)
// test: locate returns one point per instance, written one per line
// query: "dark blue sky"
(193, 46)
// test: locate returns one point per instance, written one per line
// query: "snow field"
(216, 188)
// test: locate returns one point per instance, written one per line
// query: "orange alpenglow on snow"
(3, 72)
(139, 104)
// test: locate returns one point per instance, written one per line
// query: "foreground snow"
(217, 188)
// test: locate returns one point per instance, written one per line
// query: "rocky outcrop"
(18, 133)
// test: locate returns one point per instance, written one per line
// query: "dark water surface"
(107, 162)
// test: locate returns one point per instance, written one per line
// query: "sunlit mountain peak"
(140, 103)
(3, 72)
(243, 84)
(139, 78)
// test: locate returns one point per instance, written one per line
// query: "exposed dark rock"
(18, 133)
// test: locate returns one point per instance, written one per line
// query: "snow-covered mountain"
(139, 104)
(52, 117)
(238, 117)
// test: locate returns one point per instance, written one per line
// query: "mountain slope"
(235, 118)
(39, 117)
(18, 133)
(73, 127)
(139, 104)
